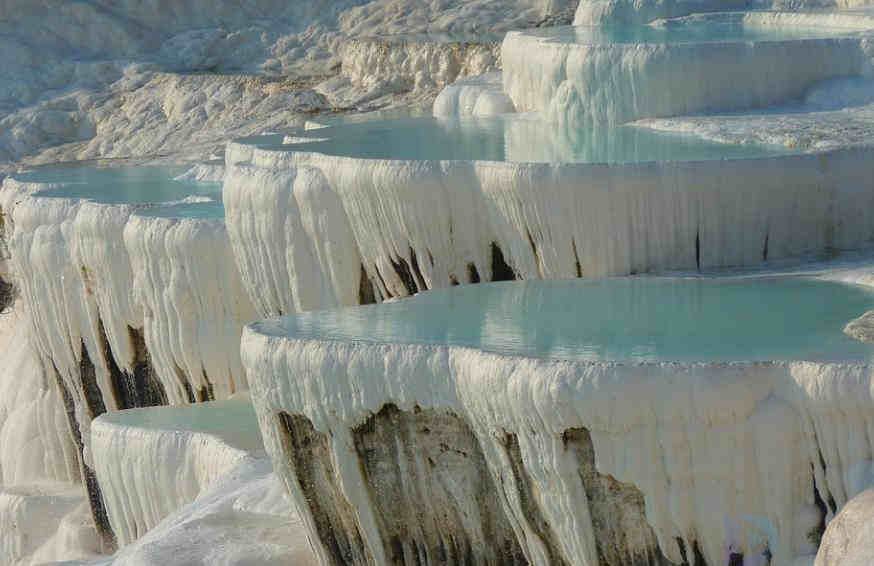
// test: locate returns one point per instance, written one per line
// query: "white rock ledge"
(580, 83)
(150, 462)
(718, 459)
(416, 63)
(312, 231)
(476, 96)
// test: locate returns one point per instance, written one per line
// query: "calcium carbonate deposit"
(370, 282)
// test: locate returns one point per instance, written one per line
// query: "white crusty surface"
(726, 455)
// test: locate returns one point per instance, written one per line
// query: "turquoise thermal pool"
(516, 138)
(125, 185)
(215, 417)
(712, 29)
(623, 320)
(202, 210)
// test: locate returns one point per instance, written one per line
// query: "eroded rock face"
(434, 499)
(310, 457)
(622, 535)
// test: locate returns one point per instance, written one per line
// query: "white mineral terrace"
(698, 64)
(622, 421)
(104, 268)
(128, 304)
(401, 219)
(152, 461)
(170, 473)
(706, 419)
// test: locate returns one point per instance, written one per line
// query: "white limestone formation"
(114, 307)
(194, 306)
(242, 519)
(150, 462)
(123, 311)
(847, 540)
(477, 96)
(416, 225)
(99, 79)
(578, 82)
(418, 64)
(623, 12)
(723, 459)
(619, 12)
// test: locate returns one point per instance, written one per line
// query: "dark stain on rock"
(534, 251)
(207, 392)
(815, 535)
(402, 268)
(623, 536)
(501, 271)
(697, 556)
(309, 454)
(577, 265)
(95, 496)
(141, 387)
(366, 296)
(88, 379)
(434, 497)
(182, 376)
(7, 295)
(472, 273)
(528, 501)
(765, 247)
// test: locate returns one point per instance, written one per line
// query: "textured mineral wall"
(579, 85)
(723, 461)
(398, 227)
(847, 540)
(152, 462)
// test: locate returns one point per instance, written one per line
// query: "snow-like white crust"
(619, 12)
(45, 523)
(549, 220)
(477, 96)
(847, 540)
(188, 286)
(35, 445)
(291, 238)
(243, 518)
(97, 279)
(42, 505)
(728, 456)
(579, 84)
(210, 172)
(378, 66)
(146, 471)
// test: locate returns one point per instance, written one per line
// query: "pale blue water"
(212, 209)
(712, 30)
(508, 138)
(636, 319)
(119, 185)
(232, 419)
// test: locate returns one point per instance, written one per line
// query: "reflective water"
(121, 185)
(507, 138)
(211, 209)
(234, 420)
(703, 30)
(637, 319)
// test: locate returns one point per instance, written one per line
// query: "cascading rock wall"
(592, 463)
(399, 227)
